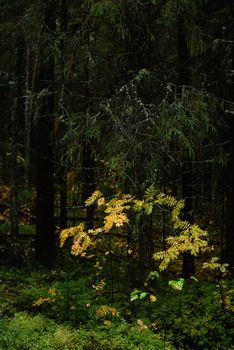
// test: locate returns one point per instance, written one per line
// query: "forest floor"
(59, 309)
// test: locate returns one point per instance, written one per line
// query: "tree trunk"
(63, 201)
(16, 121)
(27, 113)
(62, 178)
(89, 145)
(229, 247)
(45, 231)
(187, 194)
(187, 169)
(88, 176)
(14, 214)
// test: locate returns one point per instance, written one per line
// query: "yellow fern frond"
(150, 194)
(41, 301)
(215, 265)
(101, 201)
(52, 291)
(137, 205)
(70, 232)
(166, 200)
(92, 199)
(95, 231)
(105, 310)
(100, 286)
(192, 240)
(80, 244)
(81, 239)
(115, 219)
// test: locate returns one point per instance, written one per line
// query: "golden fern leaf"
(92, 199)
(100, 286)
(105, 310)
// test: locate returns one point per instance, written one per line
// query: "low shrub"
(25, 332)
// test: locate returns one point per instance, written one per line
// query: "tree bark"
(187, 169)
(62, 178)
(89, 145)
(45, 248)
(27, 113)
(229, 246)
(16, 120)
(88, 186)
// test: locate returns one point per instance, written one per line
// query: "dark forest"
(117, 175)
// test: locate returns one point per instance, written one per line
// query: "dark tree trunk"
(89, 145)
(88, 176)
(14, 213)
(187, 194)
(229, 247)
(45, 230)
(62, 178)
(187, 169)
(146, 57)
(16, 121)
(27, 117)
(64, 16)
(63, 111)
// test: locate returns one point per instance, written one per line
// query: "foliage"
(188, 237)
(177, 284)
(120, 121)
(27, 332)
(137, 294)
(58, 294)
(193, 318)
(225, 291)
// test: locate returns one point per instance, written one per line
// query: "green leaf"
(177, 284)
(148, 208)
(134, 295)
(152, 275)
(137, 294)
(143, 295)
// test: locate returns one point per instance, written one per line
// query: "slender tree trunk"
(62, 178)
(145, 58)
(45, 231)
(187, 169)
(27, 113)
(16, 120)
(89, 145)
(88, 176)
(63, 201)
(187, 194)
(229, 247)
(14, 214)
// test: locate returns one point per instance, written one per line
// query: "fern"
(189, 238)
(92, 199)
(192, 239)
(100, 286)
(81, 239)
(105, 310)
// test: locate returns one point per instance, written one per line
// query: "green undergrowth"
(57, 309)
(25, 332)
(61, 308)
(193, 318)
